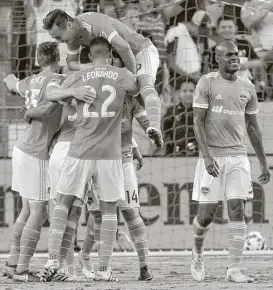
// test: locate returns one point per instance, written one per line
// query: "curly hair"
(48, 53)
(57, 17)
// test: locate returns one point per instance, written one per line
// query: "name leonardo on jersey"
(100, 73)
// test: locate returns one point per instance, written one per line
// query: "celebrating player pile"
(223, 104)
(136, 52)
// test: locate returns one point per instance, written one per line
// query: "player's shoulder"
(246, 82)
(212, 75)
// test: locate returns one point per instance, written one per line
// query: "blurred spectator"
(178, 122)
(257, 16)
(227, 30)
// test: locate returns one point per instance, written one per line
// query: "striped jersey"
(36, 138)
(226, 103)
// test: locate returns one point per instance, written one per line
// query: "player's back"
(37, 136)
(98, 133)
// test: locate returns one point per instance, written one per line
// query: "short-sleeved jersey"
(98, 132)
(226, 102)
(131, 109)
(97, 24)
(38, 135)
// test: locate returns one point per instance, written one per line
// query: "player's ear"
(90, 57)
(217, 59)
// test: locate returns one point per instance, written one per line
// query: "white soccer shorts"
(233, 182)
(147, 61)
(30, 176)
(130, 186)
(77, 173)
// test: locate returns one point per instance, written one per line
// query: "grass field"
(171, 272)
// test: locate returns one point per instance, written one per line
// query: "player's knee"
(108, 207)
(67, 200)
(38, 211)
(206, 215)
(130, 214)
(235, 209)
(145, 81)
(24, 214)
(75, 212)
(97, 216)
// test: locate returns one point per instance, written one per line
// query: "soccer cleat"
(197, 266)
(145, 274)
(27, 276)
(235, 275)
(64, 275)
(87, 267)
(105, 275)
(51, 268)
(155, 136)
(8, 271)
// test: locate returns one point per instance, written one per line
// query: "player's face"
(227, 29)
(229, 59)
(186, 93)
(64, 35)
(117, 62)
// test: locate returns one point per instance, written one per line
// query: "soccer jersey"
(98, 133)
(96, 24)
(226, 102)
(131, 109)
(37, 136)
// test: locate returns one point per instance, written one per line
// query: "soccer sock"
(29, 240)
(97, 227)
(199, 234)
(138, 235)
(14, 252)
(56, 230)
(68, 239)
(152, 106)
(89, 240)
(236, 238)
(108, 233)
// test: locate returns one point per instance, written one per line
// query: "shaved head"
(224, 46)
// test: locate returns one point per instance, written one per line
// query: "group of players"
(86, 117)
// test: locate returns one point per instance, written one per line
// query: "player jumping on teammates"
(137, 52)
(128, 207)
(224, 104)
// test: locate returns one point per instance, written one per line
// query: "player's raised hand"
(84, 94)
(155, 136)
(137, 155)
(212, 166)
(264, 178)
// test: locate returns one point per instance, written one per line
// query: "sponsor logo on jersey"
(205, 190)
(222, 110)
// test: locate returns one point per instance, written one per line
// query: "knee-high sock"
(138, 235)
(107, 239)
(14, 253)
(236, 238)
(89, 240)
(56, 230)
(199, 234)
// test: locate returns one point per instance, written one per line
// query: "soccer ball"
(255, 241)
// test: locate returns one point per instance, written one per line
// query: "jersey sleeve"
(252, 105)
(23, 85)
(70, 79)
(57, 81)
(201, 94)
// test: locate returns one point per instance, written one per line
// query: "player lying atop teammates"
(139, 55)
(224, 106)
(30, 159)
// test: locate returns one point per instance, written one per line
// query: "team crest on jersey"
(103, 34)
(196, 95)
(205, 190)
(138, 67)
(243, 96)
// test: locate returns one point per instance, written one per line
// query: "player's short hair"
(48, 53)
(188, 80)
(100, 46)
(225, 18)
(57, 17)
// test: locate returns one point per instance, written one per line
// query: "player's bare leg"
(56, 233)
(138, 234)
(152, 106)
(108, 232)
(92, 237)
(29, 240)
(17, 229)
(201, 223)
(236, 237)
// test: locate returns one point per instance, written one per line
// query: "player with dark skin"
(204, 116)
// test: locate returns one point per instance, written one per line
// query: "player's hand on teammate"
(9, 82)
(84, 94)
(212, 166)
(137, 155)
(264, 178)
(156, 136)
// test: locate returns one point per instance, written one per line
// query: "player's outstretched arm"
(256, 140)
(41, 112)
(11, 81)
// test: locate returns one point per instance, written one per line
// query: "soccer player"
(130, 206)
(224, 104)
(138, 53)
(94, 151)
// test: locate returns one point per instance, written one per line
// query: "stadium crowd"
(185, 34)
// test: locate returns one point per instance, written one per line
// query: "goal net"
(185, 33)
